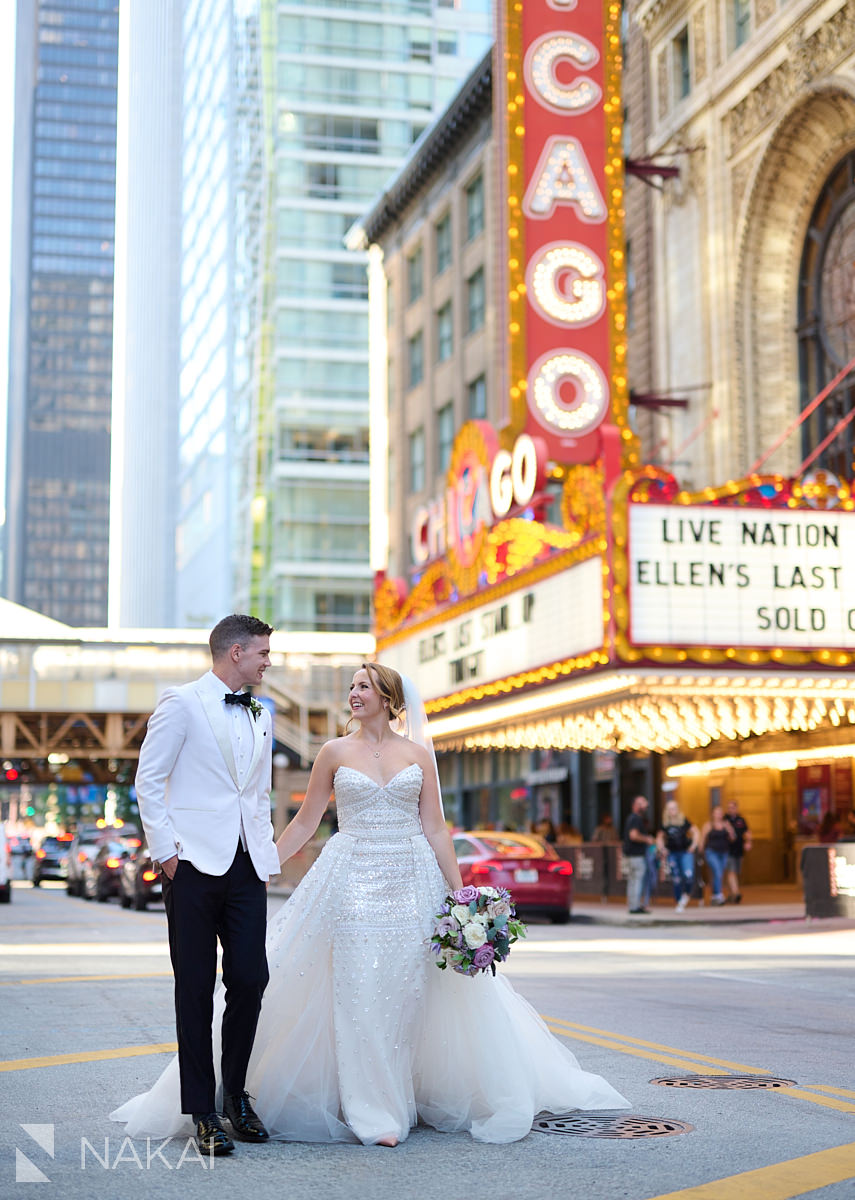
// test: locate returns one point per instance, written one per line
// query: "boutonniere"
(255, 708)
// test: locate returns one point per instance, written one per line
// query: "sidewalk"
(772, 902)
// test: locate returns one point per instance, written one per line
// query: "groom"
(203, 788)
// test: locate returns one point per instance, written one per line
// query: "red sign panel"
(559, 117)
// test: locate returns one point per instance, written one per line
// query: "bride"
(360, 1035)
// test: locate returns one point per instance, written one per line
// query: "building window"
(476, 399)
(415, 359)
(415, 275)
(741, 22)
(475, 207)
(630, 288)
(444, 333)
(826, 324)
(443, 244)
(417, 460)
(475, 300)
(445, 434)
(682, 64)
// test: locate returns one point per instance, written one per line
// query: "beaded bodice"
(368, 809)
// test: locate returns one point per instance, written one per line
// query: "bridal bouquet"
(475, 929)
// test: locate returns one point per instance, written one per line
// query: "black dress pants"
(201, 908)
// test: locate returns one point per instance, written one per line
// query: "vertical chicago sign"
(558, 115)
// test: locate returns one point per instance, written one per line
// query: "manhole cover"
(724, 1081)
(584, 1125)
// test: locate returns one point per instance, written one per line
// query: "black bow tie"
(243, 698)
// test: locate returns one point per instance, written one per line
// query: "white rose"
(460, 912)
(488, 891)
(474, 935)
(480, 919)
(448, 956)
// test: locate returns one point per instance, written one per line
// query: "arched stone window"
(826, 317)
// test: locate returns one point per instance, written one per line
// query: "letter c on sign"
(418, 536)
(543, 56)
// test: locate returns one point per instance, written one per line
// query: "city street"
(87, 1020)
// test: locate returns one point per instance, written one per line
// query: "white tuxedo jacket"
(189, 797)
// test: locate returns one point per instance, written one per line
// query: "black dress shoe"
(635, 911)
(211, 1138)
(245, 1120)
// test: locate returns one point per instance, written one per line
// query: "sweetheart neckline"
(371, 779)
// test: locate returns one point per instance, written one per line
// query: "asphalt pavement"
(86, 1019)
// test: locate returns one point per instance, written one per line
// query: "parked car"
(83, 848)
(51, 860)
(537, 878)
(100, 873)
(5, 869)
(139, 883)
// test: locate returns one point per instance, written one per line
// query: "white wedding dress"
(360, 1034)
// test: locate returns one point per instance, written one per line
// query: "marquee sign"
(758, 570)
(552, 619)
(558, 115)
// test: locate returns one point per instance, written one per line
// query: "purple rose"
(483, 956)
(466, 895)
(446, 926)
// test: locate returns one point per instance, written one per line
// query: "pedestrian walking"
(636, 839)
(739, 847)
(716, 839)
(678, 838)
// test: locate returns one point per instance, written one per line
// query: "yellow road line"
(822, 1087)
(824, 1101)
(781, 1181)
(685, 1064)
(694, 1063)
(84, 978)
(622, 1037)
(57, 1060)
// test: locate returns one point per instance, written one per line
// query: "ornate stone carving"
(763, 10)
(739, 177)
(699, 45)
(808, 58)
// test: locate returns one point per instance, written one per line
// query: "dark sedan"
(102, 872)
(51, 861)
(537, 878)
(139, 883)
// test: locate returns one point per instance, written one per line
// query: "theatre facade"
(609, 545)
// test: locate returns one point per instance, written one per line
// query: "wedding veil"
(415, 726)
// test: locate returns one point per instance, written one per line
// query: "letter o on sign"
(544, 388)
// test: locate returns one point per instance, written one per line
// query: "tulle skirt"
(361, 1035)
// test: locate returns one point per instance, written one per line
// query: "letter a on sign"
(564, 176)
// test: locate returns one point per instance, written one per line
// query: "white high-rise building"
(294, 118)
(145, 307)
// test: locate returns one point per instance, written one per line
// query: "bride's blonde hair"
(388, 685)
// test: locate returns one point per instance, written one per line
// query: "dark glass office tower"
(61, 330)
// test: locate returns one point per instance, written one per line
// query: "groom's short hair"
(237, 629)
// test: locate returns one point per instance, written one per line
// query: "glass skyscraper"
(288, 137)
(60, 352)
